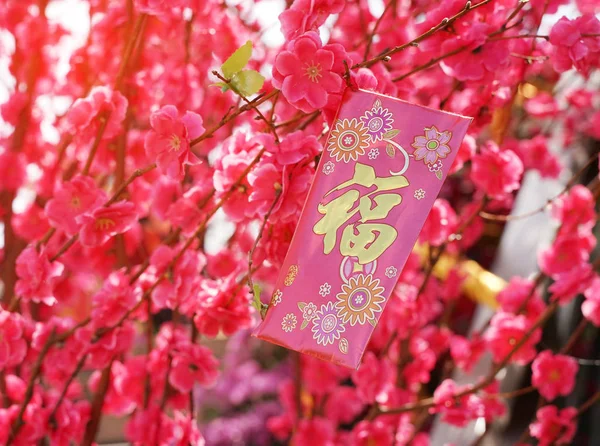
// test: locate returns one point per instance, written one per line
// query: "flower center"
(375, 124)
(329, 322)
(313, 71)
(174, 143)
(104, 223)
(554, 375)
(432, 144)
(75, 202)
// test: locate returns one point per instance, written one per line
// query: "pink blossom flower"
(13, 347)
(178, 291)
(294, 148)
(343, 404)
(554, 426)
(86, 113)
(367, 433)
(483, 58)
(534, 154)
(222, 306)
(169, 140)
(71, 199)
(373, 377)
(553, 375)
(591, 306)
(113, 300)
(571, 48)
(486, 404)
(316, 431)
(575, 209)
(37, 276)
(455, 411)
(568, 251)
(518, 296)
(303, 72)
(569, 284)
(542, 106)
(102, 223)
(505, 332)
(466, 352)
(496, 172)
(307, 15)
(440, 223)
(149, 426)
(190, 364)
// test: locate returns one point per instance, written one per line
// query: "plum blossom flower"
(591, 306)
(191, 364)
(169, 140)
(289, 322)
(571, 48)
(496, 172)
(324, 289)
(86, 113)
(568, 251)
(13, 346)
(113, 300)
(431, 146)
(483, 58)
(306, 15)
(554, 426)
(73, 198)
(37, 276)
(505, 332)
(440, 223)
(304, 72)
(457, 412)
(553, 375)
(99, 225)
(575, 208)
(317, 430)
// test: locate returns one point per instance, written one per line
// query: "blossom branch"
(445, 23)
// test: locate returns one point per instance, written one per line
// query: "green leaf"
(301, 305)
(247, 82)
(377, 104)
(304, 324)
(237, 61)
(439, 174)
(373, 322)
(390, 150)
(256, 303)
(391, 134)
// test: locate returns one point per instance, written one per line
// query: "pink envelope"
(382, 168)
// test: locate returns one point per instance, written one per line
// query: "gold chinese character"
(367, 241)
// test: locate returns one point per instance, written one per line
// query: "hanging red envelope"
(382, 168)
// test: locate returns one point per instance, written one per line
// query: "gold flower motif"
(360, 300)
(348, 140)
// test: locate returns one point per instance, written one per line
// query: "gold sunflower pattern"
(348, 140)
(360, 300)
